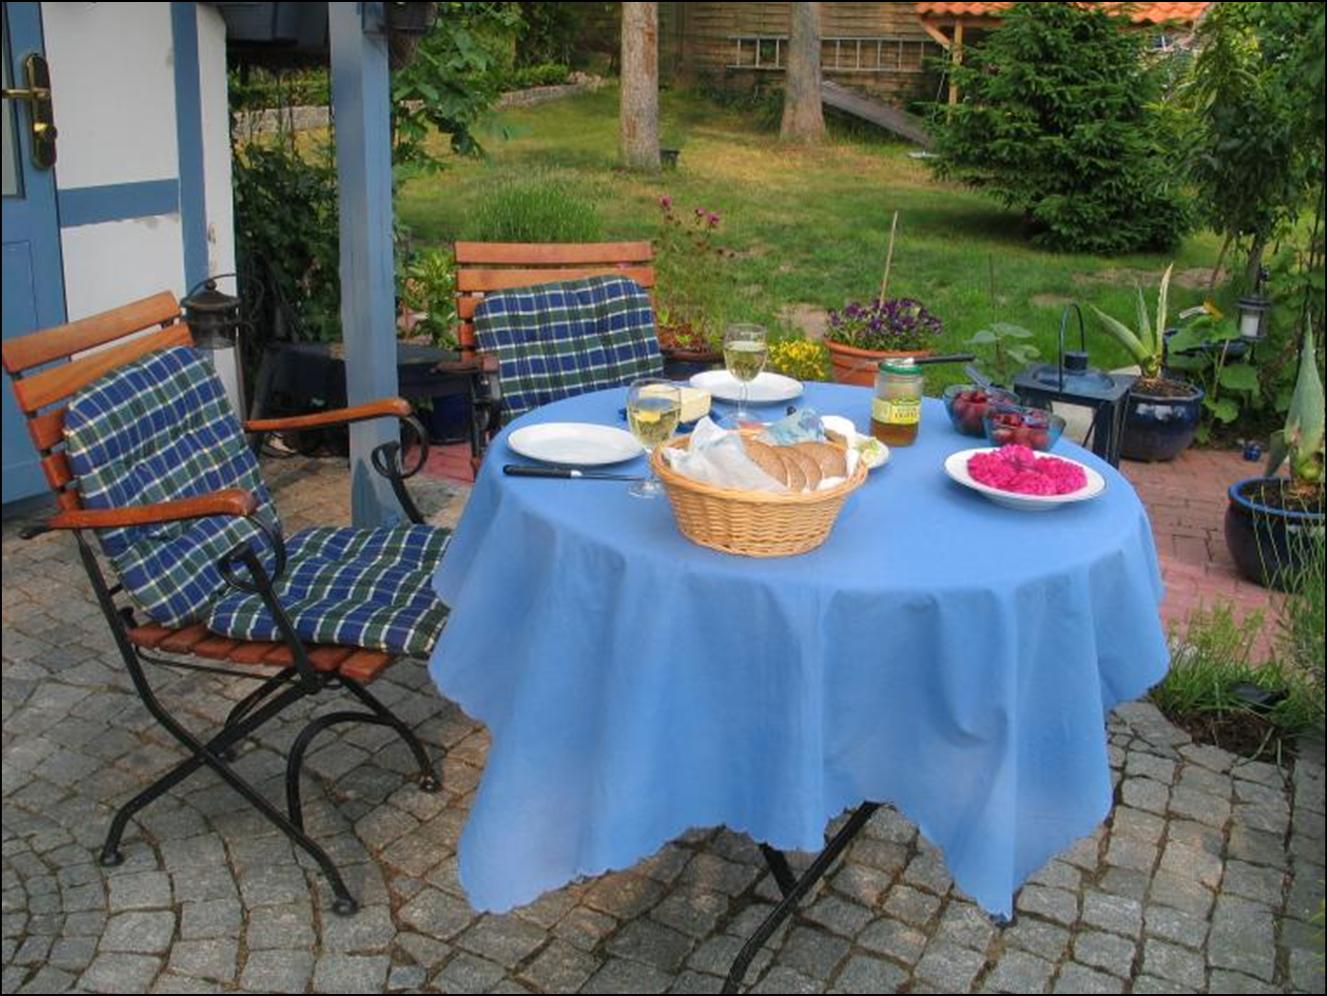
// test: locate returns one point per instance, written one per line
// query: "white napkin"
(716, 456)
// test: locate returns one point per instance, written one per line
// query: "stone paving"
(1206, 879)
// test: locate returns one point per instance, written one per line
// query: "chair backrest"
(116, 337)
(557, 340)
(482, 267)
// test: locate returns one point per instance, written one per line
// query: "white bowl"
(956, 466)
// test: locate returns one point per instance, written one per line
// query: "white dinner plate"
(579, 444)
(956, 466)
(767, 389)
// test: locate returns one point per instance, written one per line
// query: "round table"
(941, 653)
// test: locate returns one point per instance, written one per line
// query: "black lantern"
(214, 320)
(1070, 380)
(1253, 309)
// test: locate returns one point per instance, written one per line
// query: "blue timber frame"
(33, 286)
(189, 138)
(361, 102)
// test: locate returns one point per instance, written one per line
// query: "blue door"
(33, 279)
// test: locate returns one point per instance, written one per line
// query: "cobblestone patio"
(1205, 880)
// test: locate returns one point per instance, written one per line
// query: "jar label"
(897, 411)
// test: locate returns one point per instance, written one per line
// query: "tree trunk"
(1254, 264)
(803, 118)
(639, 115)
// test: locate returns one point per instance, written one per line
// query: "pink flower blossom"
(713, 219)
(666, 202)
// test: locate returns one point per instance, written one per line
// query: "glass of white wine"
(744, 352)
(654, 406)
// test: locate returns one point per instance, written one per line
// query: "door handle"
(41, 115)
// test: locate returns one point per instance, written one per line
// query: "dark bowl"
(1031, 427)
(967, 414)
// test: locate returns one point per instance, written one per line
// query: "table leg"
(794, 889)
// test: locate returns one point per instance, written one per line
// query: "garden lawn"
(809, 226)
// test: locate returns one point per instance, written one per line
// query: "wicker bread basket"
(752, 523)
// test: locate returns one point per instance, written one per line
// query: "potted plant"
(690, 306)
(1273, 523)
(1208, 348)
(1162, 414)
(798, 357)
(859, 336)
(428, 289)
(1002, 351)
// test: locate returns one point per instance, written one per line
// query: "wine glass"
(654, 406)
(744, 353)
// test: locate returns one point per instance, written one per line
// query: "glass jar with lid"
(896, 409)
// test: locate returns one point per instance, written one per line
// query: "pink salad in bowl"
(1019, 470)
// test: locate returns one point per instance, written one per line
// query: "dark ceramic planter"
(682, 364)
(1160, 428)
(1235, 351)
(448, 420)
(1270, 546)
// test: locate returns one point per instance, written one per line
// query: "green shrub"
(542, 74)
(1059, 119)
(533, 210)
(287, 240)
(429, 287)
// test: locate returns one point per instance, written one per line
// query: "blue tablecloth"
(939, 652)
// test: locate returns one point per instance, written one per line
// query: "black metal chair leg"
(779, 868)
(206, 754)
(110, 850)
(428, 779)
(794, 895)
(295, 759)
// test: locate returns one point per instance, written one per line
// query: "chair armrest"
(229, 501)
(393, 407)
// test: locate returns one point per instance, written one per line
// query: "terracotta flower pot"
(851, 365)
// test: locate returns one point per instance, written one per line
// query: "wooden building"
(894, 51)
(880, 48)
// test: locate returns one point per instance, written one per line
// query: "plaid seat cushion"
(160, 428)
(154, 430)
(556, 340)
(359, 587)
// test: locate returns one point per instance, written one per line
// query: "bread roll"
(767, 459)
(809, 467)
(830, 459)
(796, 478)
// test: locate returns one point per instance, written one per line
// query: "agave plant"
(1146, 343)
(1301, 441)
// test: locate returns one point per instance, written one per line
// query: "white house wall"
(118, 261)
(143, 206)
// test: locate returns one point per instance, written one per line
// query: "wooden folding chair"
(53, 375)
(485, 267)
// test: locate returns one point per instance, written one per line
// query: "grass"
(809, 227)
(1201, 689)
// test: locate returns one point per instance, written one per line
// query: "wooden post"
(955, 59)
(889, 259)
(361, 103)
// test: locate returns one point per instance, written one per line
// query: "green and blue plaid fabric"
(160, 428)
(556, 340)
(154, 430)
(362, 587)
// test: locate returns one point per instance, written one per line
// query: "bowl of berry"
(1019, 426)
(967, 404)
